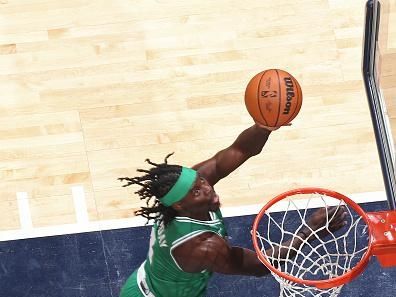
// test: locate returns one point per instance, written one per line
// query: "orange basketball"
(273, 97)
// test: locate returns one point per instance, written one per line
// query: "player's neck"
(202, 216)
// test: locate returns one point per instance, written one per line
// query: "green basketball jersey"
(163, 275)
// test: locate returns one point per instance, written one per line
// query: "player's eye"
(197, 192)
(202, 180)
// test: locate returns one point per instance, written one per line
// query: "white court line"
(71, 229)
(80, 205)
(25, 218)
(139, 221)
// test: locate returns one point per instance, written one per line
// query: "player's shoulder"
(203, 243)
(200, 252)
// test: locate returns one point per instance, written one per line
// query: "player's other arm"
(248, 144)
(210, 251)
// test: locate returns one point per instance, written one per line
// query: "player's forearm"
(246, 262)
(288, 249)
(251, 141)
(248, 144)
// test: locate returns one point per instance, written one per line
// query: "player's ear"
(177, 206)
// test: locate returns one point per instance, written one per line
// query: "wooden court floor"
(90, 89)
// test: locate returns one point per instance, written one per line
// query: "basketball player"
(188, 239)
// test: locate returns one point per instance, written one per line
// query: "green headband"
(182, 186)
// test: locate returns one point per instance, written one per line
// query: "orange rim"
(320, 284)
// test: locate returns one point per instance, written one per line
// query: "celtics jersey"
(163, 275)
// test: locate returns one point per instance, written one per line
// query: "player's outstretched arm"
(248, 144)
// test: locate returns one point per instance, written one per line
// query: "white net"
(323, 255)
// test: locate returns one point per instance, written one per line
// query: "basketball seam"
(300, 97)
(258, 98)
(279, 98)
(296, 109)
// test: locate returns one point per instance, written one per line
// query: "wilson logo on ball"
(289, 94)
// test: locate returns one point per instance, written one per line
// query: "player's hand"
(335, 217)
(270, 128)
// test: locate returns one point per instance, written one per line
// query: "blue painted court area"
(96, 264)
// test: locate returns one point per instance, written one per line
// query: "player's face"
(201, 198)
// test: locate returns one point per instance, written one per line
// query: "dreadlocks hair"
(155, 183)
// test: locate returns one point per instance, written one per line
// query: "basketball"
(273, 97)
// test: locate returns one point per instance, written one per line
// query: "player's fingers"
(331, 210)
(338, 224)
(266, 127)
(338, 217)
(338, 210)
(341, 224)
